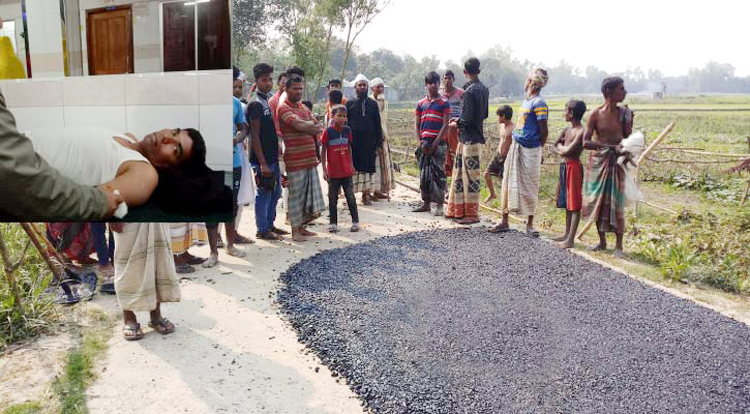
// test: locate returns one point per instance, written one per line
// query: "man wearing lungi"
(367, 130)
(453, 96)
(604, 195)
(384, 162)
(431, 124)
(463, 199)
(298, 129)
(523, 164)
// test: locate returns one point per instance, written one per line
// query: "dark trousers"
(104, 252)
(334, 184)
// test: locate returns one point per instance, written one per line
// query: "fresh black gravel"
(464, 321)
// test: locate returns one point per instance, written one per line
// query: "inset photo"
(115, 110)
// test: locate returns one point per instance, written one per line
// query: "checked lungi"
(144, 267)
(463, 199)
(605, 179)
(305, 197)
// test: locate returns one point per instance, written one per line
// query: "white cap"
(376, 82)
(360, 77)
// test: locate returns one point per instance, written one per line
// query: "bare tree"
(357, 15)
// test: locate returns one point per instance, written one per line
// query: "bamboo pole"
(747, 190)
(29, 229)
(657, 141)
(715, 154)
(658, 207)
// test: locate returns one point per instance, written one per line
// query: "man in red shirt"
(338, 168)
(298, 130)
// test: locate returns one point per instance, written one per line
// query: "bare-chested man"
(603, 189)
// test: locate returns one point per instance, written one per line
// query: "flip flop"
(532, 232)
(243, 240)
(184, 268)
(195, 260)
(107, 287)
(135, 328)
(499, 229)
(163, 324)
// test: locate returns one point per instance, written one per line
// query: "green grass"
(32, 278)
(79, 370)
(25, 408)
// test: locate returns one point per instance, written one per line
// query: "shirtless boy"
(604, 179)
(569, 190)
(506, 126)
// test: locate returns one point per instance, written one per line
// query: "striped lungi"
(305, 197)
(521, 180)
(384, 170)
(463, 199)
(605, 179)
(186, 235)
(144, 267)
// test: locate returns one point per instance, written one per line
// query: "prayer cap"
(376, 82)
(360, 77)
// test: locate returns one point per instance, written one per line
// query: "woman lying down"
(145, 273)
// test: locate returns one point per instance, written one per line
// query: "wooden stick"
(658, 207)
(657, 141)
(747, 192)
(716, 154)
(11, 278)
(512, 217)
(44, 252)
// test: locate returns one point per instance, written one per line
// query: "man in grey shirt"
(33, 190)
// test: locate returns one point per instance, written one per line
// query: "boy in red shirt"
(338, 168)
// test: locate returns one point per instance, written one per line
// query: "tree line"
(300, 32)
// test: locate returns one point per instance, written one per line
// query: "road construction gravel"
(465, 321)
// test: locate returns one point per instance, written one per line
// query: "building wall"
(45, 38)
(136, 103)
(10, 11)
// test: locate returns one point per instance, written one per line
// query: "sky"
(668, 35)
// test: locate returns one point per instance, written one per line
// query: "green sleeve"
(32, 188)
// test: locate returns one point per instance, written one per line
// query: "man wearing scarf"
(463, 199)
(524, 160)
(367, 132)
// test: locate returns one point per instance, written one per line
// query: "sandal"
(134, 329)
(195, 260)
(184, 268)
(163, 326)
(243, 240)
(532, 232)
(499, 229)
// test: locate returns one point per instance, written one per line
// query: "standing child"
(338, 168)
(570, 188)
(504, 116)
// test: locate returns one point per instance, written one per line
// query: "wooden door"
(179, 36)
(109, 37)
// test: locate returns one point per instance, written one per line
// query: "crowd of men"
(285, 141)
(277, 137)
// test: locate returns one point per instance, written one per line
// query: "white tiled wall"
(139, 104)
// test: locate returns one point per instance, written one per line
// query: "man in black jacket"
(364, 121)
(463, 199)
